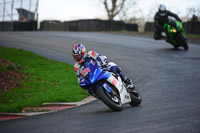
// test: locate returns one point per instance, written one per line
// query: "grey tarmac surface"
(168, 80)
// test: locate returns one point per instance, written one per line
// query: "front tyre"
(183, 41)
(136, 98)
(112, 101)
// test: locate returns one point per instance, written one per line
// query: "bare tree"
(113, 7)
(129, 10)
(193, 12)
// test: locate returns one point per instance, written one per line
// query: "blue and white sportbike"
(107, 86)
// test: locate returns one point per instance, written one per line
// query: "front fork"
(105, 86)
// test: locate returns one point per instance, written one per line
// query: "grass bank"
(46, 81)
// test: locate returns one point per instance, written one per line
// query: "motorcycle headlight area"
(173, 30)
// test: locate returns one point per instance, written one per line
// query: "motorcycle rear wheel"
(113, 102)
(136, 98)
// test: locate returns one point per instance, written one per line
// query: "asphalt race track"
(168, 80)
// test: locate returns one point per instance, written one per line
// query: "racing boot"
(125, 79)
(128, 82)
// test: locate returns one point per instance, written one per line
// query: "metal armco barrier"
(87, 25)
(190, 27)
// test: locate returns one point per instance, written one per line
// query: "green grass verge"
(193, 36)
(49, 81)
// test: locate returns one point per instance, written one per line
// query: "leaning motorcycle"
(107, 86)
(175, 34)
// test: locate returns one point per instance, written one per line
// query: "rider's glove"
(103, 60)
(104, 66)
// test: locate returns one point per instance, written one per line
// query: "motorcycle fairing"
(95, 74)
(171, 31)
(124, 95)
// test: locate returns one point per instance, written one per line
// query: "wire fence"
(18, 10)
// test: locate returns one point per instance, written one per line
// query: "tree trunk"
(115, 8)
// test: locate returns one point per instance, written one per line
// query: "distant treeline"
(87, 25)
(190, 27)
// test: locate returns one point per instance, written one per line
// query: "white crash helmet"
(162, 9)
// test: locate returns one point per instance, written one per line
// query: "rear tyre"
(136, 98)
(183, 41)
(113, 102)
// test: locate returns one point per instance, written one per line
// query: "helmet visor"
(78, 57)
(162, 13)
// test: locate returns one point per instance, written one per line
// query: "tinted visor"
(78, 57)
(161, 11)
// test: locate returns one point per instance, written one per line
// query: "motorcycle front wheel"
(183, 41)
(112, 101)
